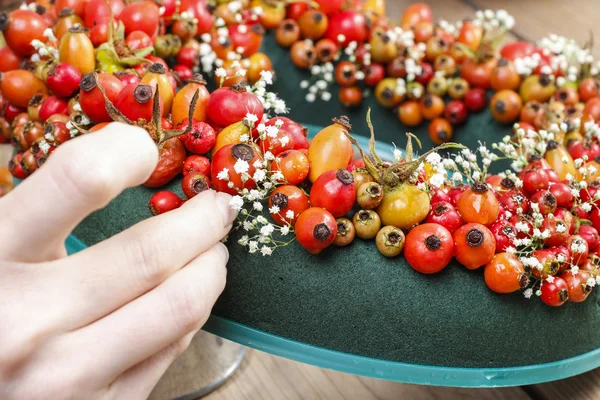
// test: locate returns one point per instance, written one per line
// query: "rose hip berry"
(194, 183)
(228, 105)
(475, 99)
(345, 233)
(63, 79)
(444, 213)
(429, 248)
(51, 106)
(555, 293)
(136, 100)
(164, 201)
(201, 139)
(504, 233)
(334, 191)
(290, 201)
(316, 229)
(390, 241)
(367, 223)
(369, 195)
(474, 245)
(196, 163)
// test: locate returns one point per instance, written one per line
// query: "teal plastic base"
(393, 371)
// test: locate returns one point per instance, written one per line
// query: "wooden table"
(263, 376)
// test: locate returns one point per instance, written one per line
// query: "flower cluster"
(494, 23)
(43, 50)
(468, 166)
(260, 233)
(525, 143)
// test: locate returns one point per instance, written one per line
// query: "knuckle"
(145, 254)
(92, 185)
(188, 307)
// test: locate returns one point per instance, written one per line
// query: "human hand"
(108, 321)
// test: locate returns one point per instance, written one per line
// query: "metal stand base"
(205, 366)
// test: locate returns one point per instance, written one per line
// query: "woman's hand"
(108, 321)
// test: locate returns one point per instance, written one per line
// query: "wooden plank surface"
(263, 376)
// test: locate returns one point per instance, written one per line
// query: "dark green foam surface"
(354, 300)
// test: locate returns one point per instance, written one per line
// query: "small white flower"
(251, 118)
(285, 230)
(241, 166)
(274, 210)
(289, 214)
(220, 72)
(574, 269)
(252, 246)
(266, 251)
(236, 203)
(223, 175)
(257, 206)
(304, 84)
(538, 292)
(528, 293)
(259, 175)
(269, 156)
(550, 279)
(267, 230)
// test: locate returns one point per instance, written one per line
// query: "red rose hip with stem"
(334, 191)
(429, 248)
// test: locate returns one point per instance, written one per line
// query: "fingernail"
(227, 212)
(223, 251)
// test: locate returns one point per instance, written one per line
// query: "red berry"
(136, 102)
(63, 79)
(475, 99)
(194, 183)
(577, 285)
(350, 25)
(291, 202)
(188, 56)
(555, 293)
(140, 16)
(562, 193)
(224, 162)
(228, 105)
(195, 163)
(127, 77)
(444, 213)
(183, 72)
(504, 233)
(200, 139)
(91, 98)
(316, 229)
(53, 105)
(579, 249)
(374, 73)
(429, 248)
(545, 201)
(474, 245)
(534, 180)
(511, 200)
(590, 234)
(164, 201)
(456, 112)
(138, 40)
(334, 191)
(15, 167)
(297, 131)
(455, 193)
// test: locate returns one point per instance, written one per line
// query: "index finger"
(110, 274)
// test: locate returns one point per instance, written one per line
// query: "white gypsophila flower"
(257, 206)
(223, 175)
(274, 210)
(269, 156)
(241, 166)
(220, 72)
(252, 246)
(528, 293)
(267, 229)
(247, 225)
(236, 202)
(550, 279)
(284, 230)
(259, 175)
(251, 118)
(538, 293)
(266, 251)
(272, 131)
(574, 269)
(436, 180)
(289, 214)
(244, 240)
(591, 282)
